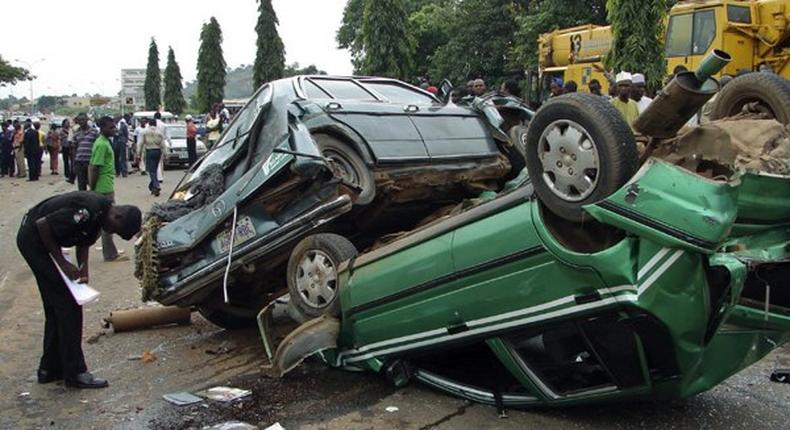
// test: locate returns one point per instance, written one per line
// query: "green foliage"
(548, 15)
(430, 30)
(174, 98)
(210, 67)
(270, 57)
(10, 75)
(349, 35)
(637, 29)
(386, 41)
(48, 102)
(481, 38)
(152, 88)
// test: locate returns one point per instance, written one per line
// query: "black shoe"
(45, 376)
(86, 380)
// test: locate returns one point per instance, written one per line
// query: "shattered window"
(398, 94)
(597, 352)
(679, 35)
(344, 89)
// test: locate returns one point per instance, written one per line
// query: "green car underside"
(682, 298)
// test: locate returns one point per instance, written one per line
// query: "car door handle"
(411, 108)
(333, 106)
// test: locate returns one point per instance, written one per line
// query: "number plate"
(245, 231)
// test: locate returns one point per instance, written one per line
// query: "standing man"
(101, 177)
(120, 143)
(595, 87)
(83, 144)
(7, 150)
(138, 138)
(66, 220)
(479, 87)
(214, 127)
(19, 150)
(53, 147)
(191, 140)
(152, 146)
(32, 148)
(65, 149)
(638, 92)
(623, 102)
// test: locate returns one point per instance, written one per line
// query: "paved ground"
(312, 397)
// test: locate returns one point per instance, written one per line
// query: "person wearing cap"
(68, 220)
(623, 102)
(191, 140)
(638, 92)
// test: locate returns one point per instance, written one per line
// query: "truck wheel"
(312, 273)
(579, 150)
(765, 92)
(352, 166)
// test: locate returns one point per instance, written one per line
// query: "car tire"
(579, 150)
(771, 92)
(312, 274)
(220, 316)
(518, 137)
(353, 167)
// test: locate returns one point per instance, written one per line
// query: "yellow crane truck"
(755, 32)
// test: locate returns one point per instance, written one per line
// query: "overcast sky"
(84, 44)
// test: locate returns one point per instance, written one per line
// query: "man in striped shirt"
(83, 138)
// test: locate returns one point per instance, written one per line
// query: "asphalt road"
(198, 356)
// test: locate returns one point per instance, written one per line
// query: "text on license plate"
(245, 231)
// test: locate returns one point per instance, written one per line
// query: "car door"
(386, 127)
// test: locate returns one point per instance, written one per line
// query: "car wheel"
(351, 165)
(579, 150)
(765, 92)
(312, 273)
(518, 137)
(221, 315)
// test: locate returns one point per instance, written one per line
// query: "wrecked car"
(313, 169)
(600, 278)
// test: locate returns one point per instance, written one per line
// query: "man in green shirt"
(101, 177)
(623, 102)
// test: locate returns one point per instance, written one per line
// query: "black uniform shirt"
(75, 218)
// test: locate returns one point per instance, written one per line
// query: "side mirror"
(445, 88)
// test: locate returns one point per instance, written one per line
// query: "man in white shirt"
(638, 92)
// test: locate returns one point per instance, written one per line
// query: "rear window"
(739, 14)
(343, 89)
(398, 93)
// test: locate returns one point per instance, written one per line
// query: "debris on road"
(224, 394)
(95, 338)
(182, 398)
(223, 348)
(391, 409)
(232, 425)
(781, 375)
(275, 426)
(136, 319)
(148, 357)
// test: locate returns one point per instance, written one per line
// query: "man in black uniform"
(72, 219)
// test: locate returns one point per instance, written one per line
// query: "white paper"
(82, 292)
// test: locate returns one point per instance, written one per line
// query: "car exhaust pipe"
(136, 319)
(679, 100)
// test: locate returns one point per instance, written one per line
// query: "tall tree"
(270, 57)
(386, 41)
(481, 38)
(430, 28)
(638, 46)
(152, 87)
(11, 74)
(547, 15)
(174, 97)
(210, 66)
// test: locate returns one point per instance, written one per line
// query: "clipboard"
(83, 294)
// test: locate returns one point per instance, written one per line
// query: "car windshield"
(177, 132)
(234, 137)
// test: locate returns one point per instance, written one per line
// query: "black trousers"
(192, 150)
(81, 171)
(7, 162)
(67, 163)
(63, 316)
(33, 165)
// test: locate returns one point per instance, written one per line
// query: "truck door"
(689, 37)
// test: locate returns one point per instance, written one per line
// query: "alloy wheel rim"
(569, 160)
(316, 279)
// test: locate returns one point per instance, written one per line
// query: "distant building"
(77, 102)
(132, 82)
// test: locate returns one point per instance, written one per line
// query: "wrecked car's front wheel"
(351, 165)
(312, 273)
(579, 150)
(754, 92)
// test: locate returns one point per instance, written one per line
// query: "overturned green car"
(603, 277)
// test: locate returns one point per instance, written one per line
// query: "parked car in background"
(178, 148)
